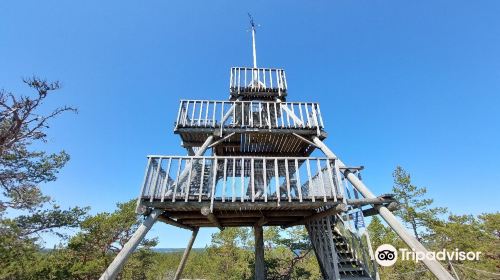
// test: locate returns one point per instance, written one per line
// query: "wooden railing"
(249, 114)
(241, 179)
(257, 80)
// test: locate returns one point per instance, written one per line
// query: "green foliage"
(415, 211)
(22, 170)
(462, 232)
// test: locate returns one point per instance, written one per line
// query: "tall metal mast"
(252, 25)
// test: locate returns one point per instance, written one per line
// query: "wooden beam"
(205, 211)
(173, 222)
(305, 140)
(222, 139)
(240, 206)
(241, 214)
(329, 212)
(262, 221)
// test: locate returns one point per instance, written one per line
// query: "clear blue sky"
(400, 83)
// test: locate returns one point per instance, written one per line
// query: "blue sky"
(400, 83)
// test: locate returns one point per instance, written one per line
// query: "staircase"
(339, 251)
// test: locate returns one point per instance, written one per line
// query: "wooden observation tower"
(249, 164)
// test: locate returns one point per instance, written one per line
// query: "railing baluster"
(188, 186)
(297, 179)
(177, 179)
(222, 117)
(306, 106)
(319, 114)
(301, 116)
(311, 193)
(284, 80)
(200, 113)
(234, 114)
(245, 74)
(213, 114)
(320, 176)
(260, 114)
(179, 114)
(144, 182)
(264, 177)
(276, 177)
(250, 113)
(202, 178)
(264, 74)
(281, 116)
(315, 117)
(156, 175)
(271, 77)
(252, 179)
(192, 114)
(224, 182)
(242, 179)
(234, 181)
(330, 176)
(185, 115)
(239, 79)
(243, 114)
(275, 114)
(339, 180)
(230, 79)
(207, 108)
(268, 116)
(214, 182)
(288, 181)
(287, 116)
(165, 182)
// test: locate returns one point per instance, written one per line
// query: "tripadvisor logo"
(387, 255)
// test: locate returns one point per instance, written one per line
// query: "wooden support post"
(185, 256)
(260, 273)
(433, 265)
(205, 211)
(115, 266)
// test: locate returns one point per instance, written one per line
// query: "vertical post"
(433, 265)
(260, 273)
(115, 266)
(186, 254)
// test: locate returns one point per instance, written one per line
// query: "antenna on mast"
(252, 25)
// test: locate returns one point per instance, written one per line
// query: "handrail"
(244, 179)
(245, 80)
(249, 114)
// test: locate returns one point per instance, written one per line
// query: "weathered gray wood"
(120, 259)
(172, 222)
(260, 273)
(205, 211)
(241, 214)
(329, 212)
(185, 256)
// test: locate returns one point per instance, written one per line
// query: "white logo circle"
(386, 255)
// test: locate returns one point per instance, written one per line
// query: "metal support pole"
(186, 254)
(260, 273)
(433, 265)
(117, 264)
